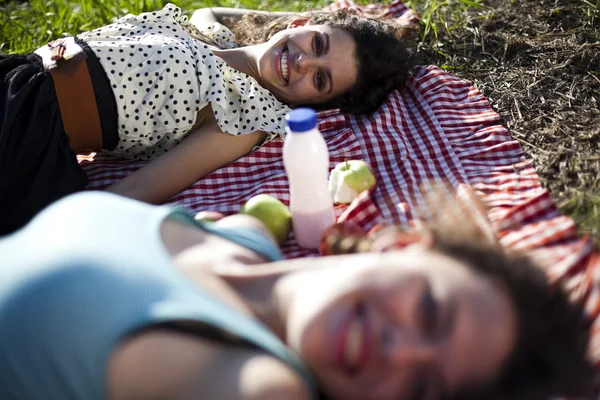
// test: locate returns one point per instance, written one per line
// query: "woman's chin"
(284, 97)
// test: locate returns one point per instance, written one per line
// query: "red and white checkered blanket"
(436, 128)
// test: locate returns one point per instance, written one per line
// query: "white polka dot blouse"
(163, 72)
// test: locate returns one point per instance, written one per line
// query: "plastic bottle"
(306, 161)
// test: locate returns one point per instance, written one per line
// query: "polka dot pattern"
(163, 72)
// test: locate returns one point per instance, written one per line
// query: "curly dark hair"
(384, 53)
(549, 357)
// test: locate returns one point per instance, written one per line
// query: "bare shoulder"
(167, 364)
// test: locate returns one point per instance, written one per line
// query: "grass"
(24, 26)
(447, 15)
(591, 8)
(27, 25)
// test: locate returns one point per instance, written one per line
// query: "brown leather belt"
(65, 60)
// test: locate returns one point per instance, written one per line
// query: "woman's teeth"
(354, 343)
(284, 65)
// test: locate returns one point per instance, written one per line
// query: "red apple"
(342, 238)
(386, 237)
(377, 228)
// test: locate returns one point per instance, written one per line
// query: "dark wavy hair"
(384, 53)
(550, 355)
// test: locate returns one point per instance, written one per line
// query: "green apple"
(348, 179)
(272, 212)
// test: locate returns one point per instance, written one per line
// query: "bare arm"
(208, 16)
(200, 153)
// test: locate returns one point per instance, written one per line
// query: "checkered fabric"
(436, 128)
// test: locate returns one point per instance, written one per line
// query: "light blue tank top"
(89, 271)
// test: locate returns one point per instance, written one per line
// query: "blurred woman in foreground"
(107, 297)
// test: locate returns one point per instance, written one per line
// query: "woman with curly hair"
(145, 302)
(187, 97)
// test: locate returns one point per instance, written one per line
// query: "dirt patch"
(538, 62)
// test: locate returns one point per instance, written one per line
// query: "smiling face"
(405, 325)
(311, 64)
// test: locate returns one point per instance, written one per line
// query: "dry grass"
(538, 62)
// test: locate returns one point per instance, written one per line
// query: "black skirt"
(37, 166)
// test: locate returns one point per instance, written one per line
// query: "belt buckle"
(57, 50)
(65, 56)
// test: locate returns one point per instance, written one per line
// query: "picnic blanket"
(436, 128)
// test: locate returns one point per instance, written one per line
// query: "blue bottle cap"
(301, 119)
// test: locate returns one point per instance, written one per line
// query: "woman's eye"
(318, 45)
(319, 81)
(429, 314)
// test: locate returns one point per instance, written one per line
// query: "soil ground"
(538, 62)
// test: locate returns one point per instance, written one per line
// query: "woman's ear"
(298, 22)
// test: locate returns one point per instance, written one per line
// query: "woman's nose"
(305, 62)
(405, 352)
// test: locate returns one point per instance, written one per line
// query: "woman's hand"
(203, 17)
(201, 152)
